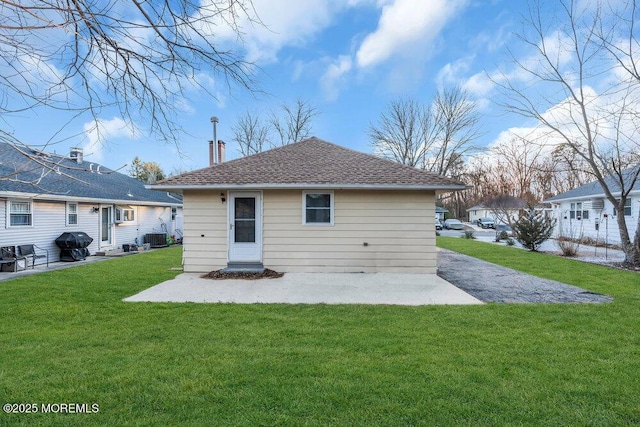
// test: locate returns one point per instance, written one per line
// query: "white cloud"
(274, 24)
(406, 27)
(334, 76)
(479, 85)
(612, 119)
(452, 71)
(99, 132)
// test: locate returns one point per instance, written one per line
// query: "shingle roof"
(22, 174)
(595, 189)
(308, 163)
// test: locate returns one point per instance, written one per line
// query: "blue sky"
(347, 58)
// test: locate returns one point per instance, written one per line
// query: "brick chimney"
(211, 158)
(221, 148)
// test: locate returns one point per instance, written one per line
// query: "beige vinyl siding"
(205, 231)
(398, 227)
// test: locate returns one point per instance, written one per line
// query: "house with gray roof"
(586, 212)
(43, 195)
(503, 209)
(311, 206)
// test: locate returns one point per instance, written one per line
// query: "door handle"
(230, 226)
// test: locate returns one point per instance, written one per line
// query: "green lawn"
(66, 337)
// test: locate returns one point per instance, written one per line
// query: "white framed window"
(317, 207)
(125, 214)
(72, 213)
(20, 213)
(627, 207)
(577, 211)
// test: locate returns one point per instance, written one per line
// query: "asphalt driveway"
(493, 283)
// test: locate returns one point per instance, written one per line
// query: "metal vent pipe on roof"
(212, 148)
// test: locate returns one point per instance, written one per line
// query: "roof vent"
(76, 153)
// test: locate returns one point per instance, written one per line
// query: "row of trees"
(582, 88)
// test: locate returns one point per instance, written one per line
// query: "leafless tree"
(435, 137)
(293, 123)
(290, 124)
(137, 57)
(250, 134)
(620, 36)
(578, 88)
(405, 132)
(456, 119)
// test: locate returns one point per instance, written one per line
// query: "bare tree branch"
(294, 123)
(250, 134)
(139, 58)
(291, 124)
(574, 91)
(435, 137)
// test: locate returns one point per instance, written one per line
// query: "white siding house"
(311, 206)
(502, 209)
(586, 212)
(38, 203)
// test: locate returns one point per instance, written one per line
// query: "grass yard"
(66, 337)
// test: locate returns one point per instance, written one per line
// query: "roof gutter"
(57, 197)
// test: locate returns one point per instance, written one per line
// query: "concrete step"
(243, 267)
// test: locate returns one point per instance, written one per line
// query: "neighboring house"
(502, 209)
(311, 206)
(586, 212)
(441, 213)
(43, 195)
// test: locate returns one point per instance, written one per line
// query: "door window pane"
(245, 220)
(106, 225)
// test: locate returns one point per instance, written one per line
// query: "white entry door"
(245, 227)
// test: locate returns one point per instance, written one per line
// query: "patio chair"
(9, 260)
(34, 252)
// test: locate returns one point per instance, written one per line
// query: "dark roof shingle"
(594, 189)
(308, 163)
(55, 175)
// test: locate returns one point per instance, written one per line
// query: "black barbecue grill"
(73, 245)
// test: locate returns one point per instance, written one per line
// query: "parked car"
(503, 228)
(453, 224)
(486, 223)
(438, 225)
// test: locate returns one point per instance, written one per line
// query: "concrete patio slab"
(311, 288)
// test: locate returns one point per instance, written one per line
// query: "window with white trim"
(317, 208)
(627, 207)
(20, 213)
(577, 212)
(72, 213)
(124, 214)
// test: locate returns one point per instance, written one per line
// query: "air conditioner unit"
(597, 204)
